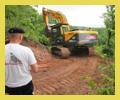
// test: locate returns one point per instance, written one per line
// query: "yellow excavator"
(64, 40)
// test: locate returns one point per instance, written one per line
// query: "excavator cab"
(57, 33)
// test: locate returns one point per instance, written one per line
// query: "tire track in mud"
(64, 77)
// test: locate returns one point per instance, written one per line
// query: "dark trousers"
(23, 90)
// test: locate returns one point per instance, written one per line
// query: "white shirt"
(18, 59)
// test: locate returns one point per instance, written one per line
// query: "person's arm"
(34, 68)
(42, 65)
(32, 62)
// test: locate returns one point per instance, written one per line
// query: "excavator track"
(83, 51)
(64, 53)
(61, 52)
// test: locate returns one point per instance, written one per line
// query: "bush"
(108, 85)
(102, 48)
(27, 18)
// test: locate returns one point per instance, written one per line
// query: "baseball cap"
(16, 30)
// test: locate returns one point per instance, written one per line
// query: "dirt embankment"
(62, 76)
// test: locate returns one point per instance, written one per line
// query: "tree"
(109, 20)
(27, 18)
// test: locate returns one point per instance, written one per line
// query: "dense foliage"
(27, 18)
(107, 85)
(106, 37)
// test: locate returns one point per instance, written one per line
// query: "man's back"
(18, 59)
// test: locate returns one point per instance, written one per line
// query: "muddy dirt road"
(62, 76)
(65, 76)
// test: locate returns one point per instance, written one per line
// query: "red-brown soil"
(62, 76)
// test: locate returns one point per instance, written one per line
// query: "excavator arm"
(54, 14)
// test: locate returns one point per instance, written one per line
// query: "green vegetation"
(106, 45)
(104, 81)
(108, 82)
(106, 49)
(27, 18)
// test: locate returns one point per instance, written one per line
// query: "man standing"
(19, 60)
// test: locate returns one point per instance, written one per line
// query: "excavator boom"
(54, 14)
